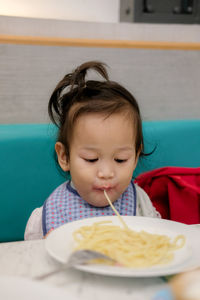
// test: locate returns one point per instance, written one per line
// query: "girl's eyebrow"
(123, 148)
(89, 148)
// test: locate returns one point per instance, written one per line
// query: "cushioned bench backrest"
(28, 172)
(176, 143)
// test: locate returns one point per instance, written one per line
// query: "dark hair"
(75, 96)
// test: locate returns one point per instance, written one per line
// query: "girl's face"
(102, 156)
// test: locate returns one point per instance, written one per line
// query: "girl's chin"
(99, 200)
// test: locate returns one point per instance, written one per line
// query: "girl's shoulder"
(60, 188)
(33, 229)
(144, 205)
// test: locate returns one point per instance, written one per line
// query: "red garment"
(174, 191)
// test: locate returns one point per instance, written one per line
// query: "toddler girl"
(99, 143)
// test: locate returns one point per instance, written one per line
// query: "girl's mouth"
(102, 188)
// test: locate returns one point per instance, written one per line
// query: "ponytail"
(60, 102)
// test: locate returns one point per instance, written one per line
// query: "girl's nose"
(106, 172)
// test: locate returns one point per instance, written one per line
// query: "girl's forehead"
(97, 128)
(103, 122)
(105, 118)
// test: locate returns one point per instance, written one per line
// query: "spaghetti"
(128, 247)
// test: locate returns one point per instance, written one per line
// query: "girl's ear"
(138, 156)
(62, 158)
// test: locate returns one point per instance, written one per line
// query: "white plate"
(59, 244)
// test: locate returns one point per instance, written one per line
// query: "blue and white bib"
(65, 205)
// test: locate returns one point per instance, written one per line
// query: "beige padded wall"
(165, 82)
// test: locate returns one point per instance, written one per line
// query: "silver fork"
(79, 257)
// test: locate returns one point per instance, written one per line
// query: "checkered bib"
(65, 205)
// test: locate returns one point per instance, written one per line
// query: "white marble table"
(29, 259)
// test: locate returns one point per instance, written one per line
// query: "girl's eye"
(91, 160)
(120, 161)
